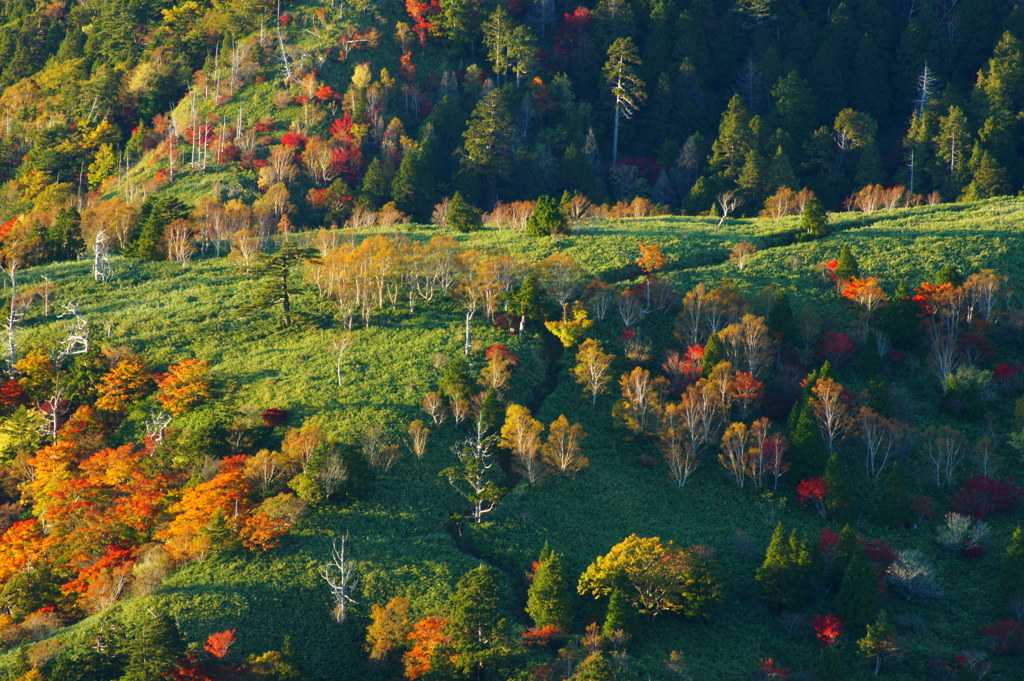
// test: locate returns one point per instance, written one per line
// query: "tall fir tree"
(857, 600)
(894, 504)
(155, 651)
(547, 600)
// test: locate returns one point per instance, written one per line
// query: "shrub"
(912, 575)
(981, 496)
(964, 534)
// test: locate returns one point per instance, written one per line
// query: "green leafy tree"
(661, 577)
(546, 219)
(596, 667)
(622, 73)
(733, 146)
(787, 569)
(547, 600)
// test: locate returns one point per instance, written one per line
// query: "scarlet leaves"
(828, 628)
(813, 490)
(220, 643)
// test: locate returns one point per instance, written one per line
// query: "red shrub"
(1006, 637)
(274, 417)
(828, 628)
(981, 496)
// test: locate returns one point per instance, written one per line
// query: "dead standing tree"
(339, 573)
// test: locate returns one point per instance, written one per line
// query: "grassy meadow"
(399, 530)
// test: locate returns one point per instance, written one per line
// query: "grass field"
(398, 530)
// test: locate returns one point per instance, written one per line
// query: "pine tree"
(376, 188)
(814, 220)
(807, 450)
(989, 177)
(900, 319)
(547, 219)
(786, 571)
(620, 616)
(1011, 576)
(157, 212)
(155, 651)
(857, 600)
(621, 72)
(527, 302)
(714, 354)
(462, 216)
(839, 501)
(64, 239)
(879, 642)
(276, 281)
(733, 145)
(847, 266)
(476, 621)
(780, 318)
(487, 146)
(547, 600)
(894, 505)
(829, 666)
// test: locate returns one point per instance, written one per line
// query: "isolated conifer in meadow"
(847, 266)
(857, 600)
(620, 616)
(814, 220)
(546, 218)
(462, 216)
(894, 505)
(547, 601)
(1011, 577)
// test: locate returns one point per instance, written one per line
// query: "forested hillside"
(311, 110)
(665, 448)
(529, 341)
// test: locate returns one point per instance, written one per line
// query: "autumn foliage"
(184, 386)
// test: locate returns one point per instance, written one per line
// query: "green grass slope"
(398, 531)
